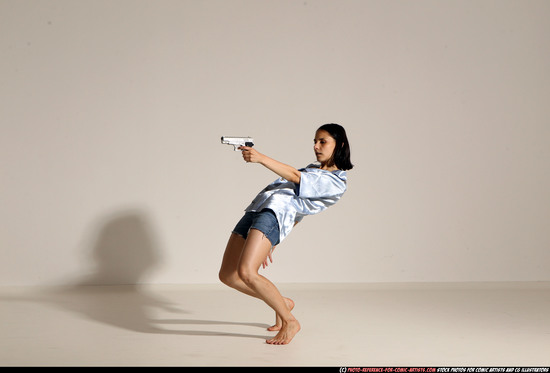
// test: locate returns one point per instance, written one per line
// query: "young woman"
(275, 211)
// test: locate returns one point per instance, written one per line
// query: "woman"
(275, 211)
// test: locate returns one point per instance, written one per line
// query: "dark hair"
(342, 152)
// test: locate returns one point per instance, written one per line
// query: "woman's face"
(323, 146)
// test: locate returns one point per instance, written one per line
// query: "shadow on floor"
(124, 253)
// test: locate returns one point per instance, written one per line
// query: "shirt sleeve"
(320, 184)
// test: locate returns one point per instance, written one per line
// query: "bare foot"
(287, 332)
(278, 320)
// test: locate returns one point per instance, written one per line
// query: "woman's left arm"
(285, 171)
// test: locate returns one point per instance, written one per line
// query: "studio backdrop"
(111, 113)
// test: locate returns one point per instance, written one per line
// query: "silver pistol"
(237, 141)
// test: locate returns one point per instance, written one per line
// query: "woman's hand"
(250, 154)
(264, 264)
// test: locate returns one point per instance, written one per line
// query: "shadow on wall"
(124, 252)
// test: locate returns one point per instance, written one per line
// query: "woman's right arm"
(285, 171)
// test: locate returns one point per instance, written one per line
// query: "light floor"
(463, 324)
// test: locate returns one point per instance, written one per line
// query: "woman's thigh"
(255, 251)
(232, 254)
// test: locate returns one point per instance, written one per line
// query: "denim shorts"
(265, 221)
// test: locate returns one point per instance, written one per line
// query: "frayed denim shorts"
(265, 221)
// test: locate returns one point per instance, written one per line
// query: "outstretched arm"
(281, 169)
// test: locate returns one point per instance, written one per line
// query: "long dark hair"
(342, 152)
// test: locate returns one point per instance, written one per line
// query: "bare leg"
(278, 321)
(231, 258)
(230, 276)
(254, 253)
(239, 270)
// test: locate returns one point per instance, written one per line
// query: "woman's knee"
(227, 277)
(247, 275)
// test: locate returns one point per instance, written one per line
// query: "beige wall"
(111, 114)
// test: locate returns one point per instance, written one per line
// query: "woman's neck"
(326, 167)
